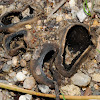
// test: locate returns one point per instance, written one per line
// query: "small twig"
(56, 90)
(15, 88)
(56, 8)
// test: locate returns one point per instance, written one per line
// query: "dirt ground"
(51, 47)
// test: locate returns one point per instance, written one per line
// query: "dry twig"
(15, 88)
(56, 8)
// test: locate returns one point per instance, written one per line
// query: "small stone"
(39, 22)
(28, 97)
(96, 86)
(9, 62)
(91, 70)
(72, 3)
(44, 88)
(25, 71)
(81, 15)
(71, 90)
(39, 27)
(74, 11)
(15, 61)
(26, 12)
(28, 26)
(22, 62)
(15, 20)
(6, 67)
(96, 77)
(59, 18)
(22, 97)
(1, 96)
(95, 23)
(29, 83)
(80, 79)
(20, 76)
(12, 74)
(27, 56)
(97, 2)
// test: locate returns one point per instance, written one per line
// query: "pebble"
(81, 15)
(23, 63)
(25, 71)
(25, 97)
(15, 61)
(26, 13)
(44, 88)
(9, 62)
(72, 3)
(97, 2)
(29, 83)
(4, 81)
(71, 90)
(20, 76)
(28, 97)
(96, 77)
(27, 56)
(96, 86)
(74, 11)
(15, 20)
(1, 96)
(91, 70)
(6, 67)
(80, 79)
(28, 26)
(59, 18)
(22, 97)
(95, 22)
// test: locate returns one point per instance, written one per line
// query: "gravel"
(80, 79)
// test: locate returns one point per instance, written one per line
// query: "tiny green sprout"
(98, 50)
(88, 13)
(63, 96)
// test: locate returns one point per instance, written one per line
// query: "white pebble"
(71, 90)
(22, 97)
(20, 76)
(72, 3)
(81, 15)
(44, 88)
(15, 61)
(29, 83)
(26, 12)
(27, 56)
(59, 18)
(80, 79)
(25, 71)
(96, 77)
(9, 62)
(28, 96)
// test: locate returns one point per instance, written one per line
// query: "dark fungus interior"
(77, 39)
(48, 56)
(15, 40)
(6, 20)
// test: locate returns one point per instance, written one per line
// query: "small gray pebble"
(6, 67)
